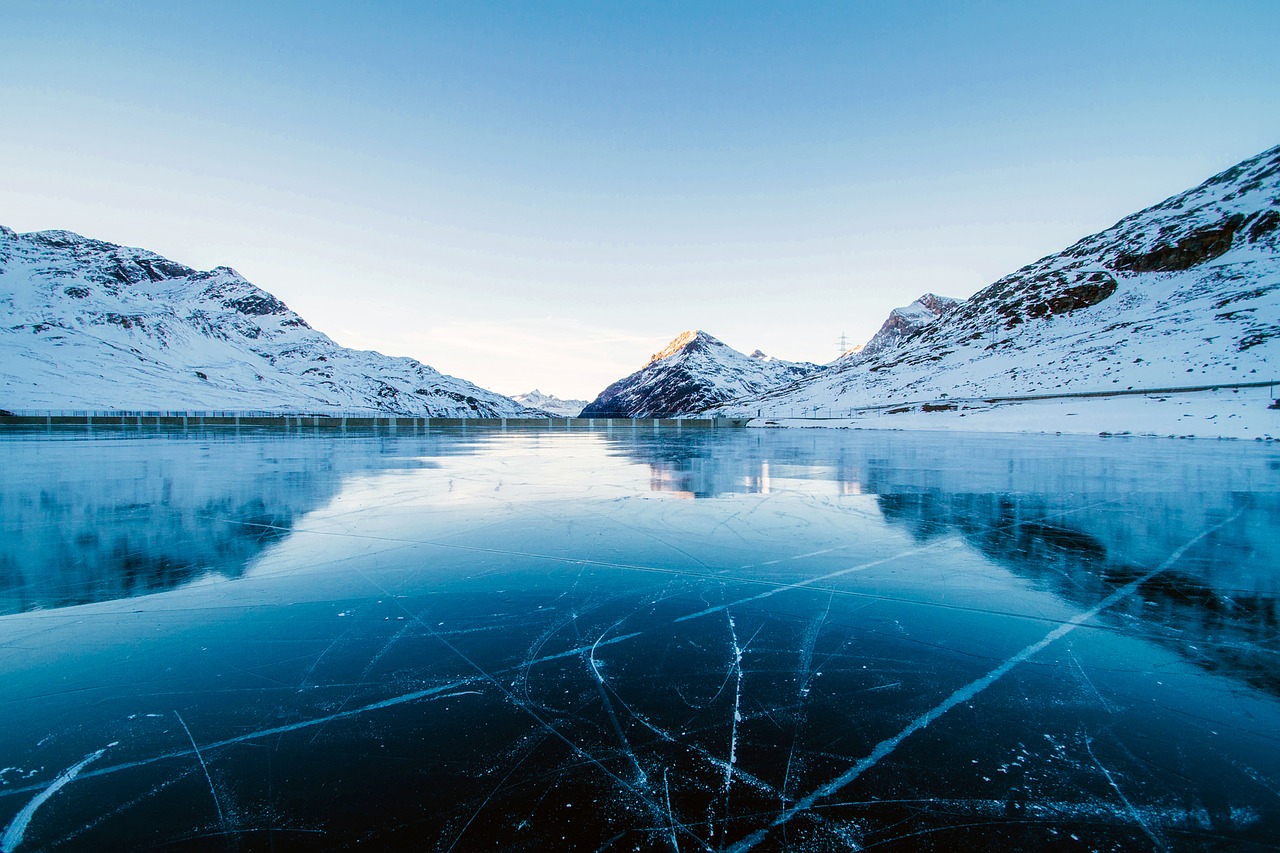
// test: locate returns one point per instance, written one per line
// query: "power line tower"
(843, 343)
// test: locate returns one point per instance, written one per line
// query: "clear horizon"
(542, 196)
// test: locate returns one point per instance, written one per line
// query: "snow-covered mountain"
(550, 403)
(693, 372)
(905, 322)
(1184, 293)
(91, 325)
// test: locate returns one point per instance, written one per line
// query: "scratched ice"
(621, 639)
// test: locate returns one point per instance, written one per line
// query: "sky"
(542, 194)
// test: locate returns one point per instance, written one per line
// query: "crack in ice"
(870, 564)
(1133, 813)
(205, 767)
(808, 582)
(18, 826)
(969, 691)
(641, 777)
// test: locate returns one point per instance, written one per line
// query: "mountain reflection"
(119, 516)
(129, 517)
(1219, 611)
(112, 517)
(707, 464)
(1079, 517)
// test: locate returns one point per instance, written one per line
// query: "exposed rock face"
(907, 321)
(1203, 244)
(691, 373)
(92, 325)
(1186, 292)
(1064, 295)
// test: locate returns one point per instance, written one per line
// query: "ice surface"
(621, 639)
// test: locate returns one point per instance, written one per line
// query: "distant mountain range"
(696, 371)
(693, 372)
(550, 404)
(1183, 293)
(91, 325)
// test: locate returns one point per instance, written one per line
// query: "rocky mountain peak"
(694, 340)
(937, 304)
(694, 371)
(906, 321)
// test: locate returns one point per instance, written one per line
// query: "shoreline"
(1213, 414)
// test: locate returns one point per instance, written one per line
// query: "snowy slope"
(693, 372)
(1184, 293)
(550, 404)
(90, 325)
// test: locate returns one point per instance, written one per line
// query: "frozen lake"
(628, 640)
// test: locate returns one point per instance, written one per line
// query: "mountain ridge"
(95, 325)
(1183, 292)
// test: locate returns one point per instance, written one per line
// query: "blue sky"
(545, 193)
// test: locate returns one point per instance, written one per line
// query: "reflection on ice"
(522, 641)
(120, 516)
